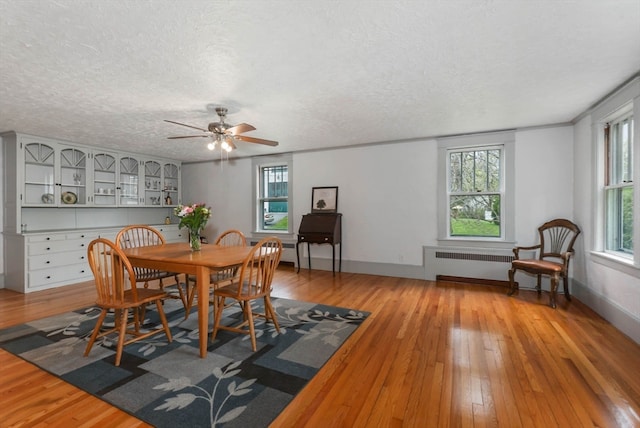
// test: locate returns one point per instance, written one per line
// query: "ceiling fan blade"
(188, 126)
(187, 136)
(239, 129)
(256, 140)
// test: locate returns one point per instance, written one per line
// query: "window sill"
(618, 263)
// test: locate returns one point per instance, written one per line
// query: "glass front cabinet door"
(39, 174)
(171, 184)
(152, 183)
(104, 178)
(129, 175)
(54, 175)
(73, 176)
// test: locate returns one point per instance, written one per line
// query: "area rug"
(169, 385)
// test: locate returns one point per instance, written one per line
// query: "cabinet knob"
(47, 262)
(48, 276)
(82, 271)
(81, 257)
(82, 245)
(48, 238)
(48, 248)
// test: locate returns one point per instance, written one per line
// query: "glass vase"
(194, 239)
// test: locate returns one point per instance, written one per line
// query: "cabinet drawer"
(46, 238)
(44, 261)
(43, 277)
(57, 246)
(174, 234)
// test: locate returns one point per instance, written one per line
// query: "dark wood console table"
(321, 229)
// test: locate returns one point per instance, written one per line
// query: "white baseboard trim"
(617, 316)
(1, 280)
(350, 266)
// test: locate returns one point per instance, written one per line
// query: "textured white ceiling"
(309, 74)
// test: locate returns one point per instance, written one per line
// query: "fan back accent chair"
(253, 282)
(140, 235)
(554, 251)
(229, 238)
(116, 286)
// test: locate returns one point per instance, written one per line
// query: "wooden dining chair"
(554, 251)
(141, 235)
(228, 238)
(252, 282)
(115, 281)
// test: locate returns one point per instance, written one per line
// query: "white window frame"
(506, 141)
(609, 187)
(258, 163)
(625, 100)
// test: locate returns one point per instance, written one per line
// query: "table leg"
(202, 276)
(298, 255)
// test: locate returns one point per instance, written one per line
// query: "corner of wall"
(607, 309)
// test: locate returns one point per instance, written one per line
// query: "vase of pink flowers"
(194, 217)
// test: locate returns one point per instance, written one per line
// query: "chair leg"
(554, 288)
(123, 314)
(252, 328)
(217, 316)
(512, 284)
(96, 330)
(163, 319)
(566, 288)
(270, 313)
(538, 285)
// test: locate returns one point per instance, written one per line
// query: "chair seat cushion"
(535, 265)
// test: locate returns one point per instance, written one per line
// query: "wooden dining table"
(178, 257)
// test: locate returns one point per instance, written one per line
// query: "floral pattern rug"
(169, 385)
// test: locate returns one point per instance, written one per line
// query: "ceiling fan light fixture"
(224, 135)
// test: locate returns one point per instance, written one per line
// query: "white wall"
(613, 291)
(388, 193)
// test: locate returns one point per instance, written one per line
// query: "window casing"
(618, 185)
(475, 192)
(272, 190)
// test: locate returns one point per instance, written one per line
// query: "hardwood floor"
(430, 355)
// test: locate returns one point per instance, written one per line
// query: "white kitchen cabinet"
(105, 178)
(54, 174)
(47, 173)
(42, 260)
(161, 183)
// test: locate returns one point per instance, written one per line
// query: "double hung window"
(273, 190)
(475, 192)
(618, 185)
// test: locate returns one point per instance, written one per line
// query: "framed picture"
(324, 200)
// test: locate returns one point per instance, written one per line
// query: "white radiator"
(467, 262)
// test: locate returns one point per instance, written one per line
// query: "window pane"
(620, 219)
(475, 216)
(455, 172)
(275, 215)
(474, 171)
(627, 219)
(274, 198)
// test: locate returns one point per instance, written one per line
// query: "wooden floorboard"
(432, 354)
